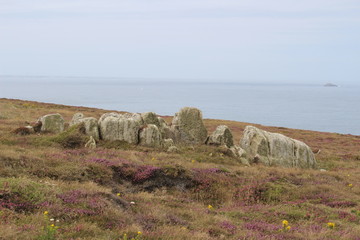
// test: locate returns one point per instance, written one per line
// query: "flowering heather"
(200, 192)
(101, 161)
(72, 197)
(228, 226)
(207, 170)
(144, 173)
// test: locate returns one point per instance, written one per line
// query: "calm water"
(312, 107)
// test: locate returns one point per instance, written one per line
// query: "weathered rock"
(90, 124)
(150, 136)
(91, 143)
(239, 153)
(150, 118)
(168, 143)
(188, 126)
(52, 123)
(165, 130)
(221, 136)
(76, 118)
(123, 127)
(276, 149)
(173, 149)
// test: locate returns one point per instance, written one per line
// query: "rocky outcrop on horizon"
(147, 129)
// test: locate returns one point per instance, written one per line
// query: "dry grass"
(166, 195)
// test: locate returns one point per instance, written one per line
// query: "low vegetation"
(51, 187)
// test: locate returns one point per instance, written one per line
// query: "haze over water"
(311, 107)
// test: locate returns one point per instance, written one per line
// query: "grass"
(119, 189)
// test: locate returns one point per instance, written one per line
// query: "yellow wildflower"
(350, 185)
(192, 161)
(153, 159)
(46, 213)
(331, 225)
(210, 207)
(288, 228)
(118, 194)
(139, 233)
(285, 223)
(52, 225)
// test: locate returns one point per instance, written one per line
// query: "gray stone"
(165, 130)
(276, 149)
(76, 118)
(168, 143)
(188, 126)
(123, 127)
(239, 153)
(52, 123)
(173, 149)
(150, 136)
(91, 143)
(150, 118)
(221, 136)
(90, 124)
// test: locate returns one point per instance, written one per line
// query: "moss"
(74, 137)
(274, 192)
(25, 189)
(116, 145)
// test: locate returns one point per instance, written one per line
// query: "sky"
(291, 41)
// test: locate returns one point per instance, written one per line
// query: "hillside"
(120, 191)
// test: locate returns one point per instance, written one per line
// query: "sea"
(299, 106)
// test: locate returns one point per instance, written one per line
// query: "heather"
(51, 187)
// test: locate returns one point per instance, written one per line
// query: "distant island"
(330, 85)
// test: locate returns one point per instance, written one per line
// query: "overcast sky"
(294, 41)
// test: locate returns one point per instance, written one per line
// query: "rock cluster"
(147, 129)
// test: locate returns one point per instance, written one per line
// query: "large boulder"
(52, 123)
(221, 136)
(150, 136)
(90, 124)
(188, 126)
(276, 149)
(123, 127)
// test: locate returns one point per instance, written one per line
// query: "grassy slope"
(171, 191)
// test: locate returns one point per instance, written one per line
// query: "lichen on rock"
(221, 136)
(123, 127)
(52, 123)
(188, 126)
(276, 149)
